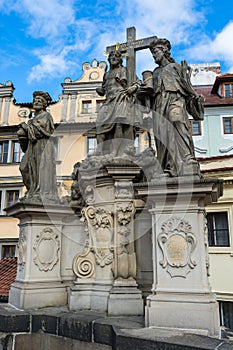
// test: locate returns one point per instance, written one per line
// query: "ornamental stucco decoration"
(46, 248)
(123, 189)
(84, 265)
(89, 195)
(100, 233)
(125, 212)
(206, 247)
(177, 243)
(21, 247)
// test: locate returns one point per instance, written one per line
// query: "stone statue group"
(167, 92)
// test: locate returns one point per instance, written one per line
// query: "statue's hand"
(145, 90)
(131, 90)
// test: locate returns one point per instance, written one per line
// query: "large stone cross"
(131, 46)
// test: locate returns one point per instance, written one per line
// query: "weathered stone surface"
(12, 320)
(77, 325)
(45, 341)
(6, 341)
(164, 339)
(57, 328)
(45, 323)
(103, 329)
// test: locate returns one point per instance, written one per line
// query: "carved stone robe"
(175, 149)
(118, 107)
(38, 166)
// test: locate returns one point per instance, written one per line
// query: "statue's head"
(162, 45)
(115, 58)
(44, 97)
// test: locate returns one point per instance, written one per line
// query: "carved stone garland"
(21, 247)
(125, 264)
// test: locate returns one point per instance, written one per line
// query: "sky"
(43, 42)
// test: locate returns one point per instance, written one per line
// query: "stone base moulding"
(26, 296)
(106, 269)
(197, 313)
(125, 301)
(181, 294)
(38, 282)
(89, 296)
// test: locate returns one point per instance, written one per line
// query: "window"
(4, 146)
(99, 105)
(8, 251)
(91, 145)
(8, 197)
(228, 125)
(195, 127)
(17, 152)
(10, 152)
(226, 314)
(86, 107)
(12, 196)
(228, 90)
(218, 232)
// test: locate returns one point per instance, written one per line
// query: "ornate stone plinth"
(38, 283)
(181, 295)
(106, 269)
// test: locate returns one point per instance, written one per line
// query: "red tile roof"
(8, 270)
(212, 99)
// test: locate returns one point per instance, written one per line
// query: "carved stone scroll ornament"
(84, 265)
(46, 248)
(177, 243)
(100, 231)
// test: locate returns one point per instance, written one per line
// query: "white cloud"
(51, 65)
(218, 48)
(72, 35)
(46, 19)
(172, 19)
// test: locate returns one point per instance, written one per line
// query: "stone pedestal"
(181, 295)
(106, 269)
(38, 283)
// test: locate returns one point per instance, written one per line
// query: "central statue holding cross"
(167, 92)
(119, 116)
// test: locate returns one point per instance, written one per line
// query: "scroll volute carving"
(100, 229)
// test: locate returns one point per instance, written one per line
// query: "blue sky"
(43, 42)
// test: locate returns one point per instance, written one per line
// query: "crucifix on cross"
(131, 46)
